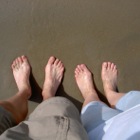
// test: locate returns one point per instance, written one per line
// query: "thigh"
(128, 101)
(56, 118)
(96, 113)
(6, 120)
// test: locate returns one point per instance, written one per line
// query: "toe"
(17, 63)
(13, 66)
(63, 66)
(115, 68)
(20, 60)
(14, 63)
(51, 60)
(62, 69)
(59, 64)
(104, 65)
(56, 61)
(80, 68)
(77, 70)
(112, 66)
(108, 65)
(24, 59)
(85, 68)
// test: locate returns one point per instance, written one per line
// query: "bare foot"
(109, 77)
(21, 71)
(84, 81)
(53, 76)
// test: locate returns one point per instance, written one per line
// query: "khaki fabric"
(6, 120)
(54, 119)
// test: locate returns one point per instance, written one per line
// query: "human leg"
(129, 100)
(109, 77)
(18, 104)
(85, 83)
(94, 111)
(56, 113)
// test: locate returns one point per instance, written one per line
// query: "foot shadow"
(100, 94)
(62, 93)
(37, 94)
(102, 97)
(36, 90)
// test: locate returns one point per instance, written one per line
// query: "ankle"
(46, 95)
(110, 92)
(91, 95)
(25, 92)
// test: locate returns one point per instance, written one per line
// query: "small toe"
(112, 66)
(108, 65)
(56, 61)
(80, 68)
(13, 63)
(115, 68)
(62, 69)
(59, 64)
(77, 70)
(19, 60)
(13, 66)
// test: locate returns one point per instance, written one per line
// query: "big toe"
(104, 66)
(84, 68)
(79, 69)
(51, 60)
(24, 60)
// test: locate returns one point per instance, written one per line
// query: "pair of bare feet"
(53, 76)
(54, 72)
(85, 82)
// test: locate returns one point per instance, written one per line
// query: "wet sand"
(77, 32)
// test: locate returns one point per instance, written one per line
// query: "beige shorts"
(54, 119)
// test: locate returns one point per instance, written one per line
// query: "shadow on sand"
(37, 96)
